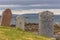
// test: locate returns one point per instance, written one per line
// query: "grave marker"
(6, 17)
(20, 22)
(46, 21)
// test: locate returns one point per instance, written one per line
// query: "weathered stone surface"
(31, 27)
(46, 21)
(20, 22)
(6, 17)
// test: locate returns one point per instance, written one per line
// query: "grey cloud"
(51, 4)
(29, 2)
(34, 7)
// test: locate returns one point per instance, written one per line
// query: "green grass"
(8, 33)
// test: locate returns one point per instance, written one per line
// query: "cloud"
(32, 6)
(24, 5)
(29, 2)
(19, 12)
(55, 11)
(9, 5)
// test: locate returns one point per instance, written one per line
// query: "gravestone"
(6, 17)
(46, 21)
(20, 22)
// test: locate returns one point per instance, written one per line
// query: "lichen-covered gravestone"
(20, 22)
(46, 21)
(6, 17)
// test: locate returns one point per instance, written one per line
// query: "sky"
(30, 5)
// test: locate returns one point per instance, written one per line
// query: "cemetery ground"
(9, 33)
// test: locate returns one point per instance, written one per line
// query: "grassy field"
(8, 33)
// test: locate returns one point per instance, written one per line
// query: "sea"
(32, 18)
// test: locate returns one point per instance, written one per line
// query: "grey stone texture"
(46, 23)
(20, 22)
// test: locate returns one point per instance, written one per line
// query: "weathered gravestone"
(46, 21)
(20, 22)
(6, 17)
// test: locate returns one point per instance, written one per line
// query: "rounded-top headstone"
(6, 17)
(46, 21)
(20, 22)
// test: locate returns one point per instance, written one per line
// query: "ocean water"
(33, 18)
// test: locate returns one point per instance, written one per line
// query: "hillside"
(8, 33)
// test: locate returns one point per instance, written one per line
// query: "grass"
(9, 33)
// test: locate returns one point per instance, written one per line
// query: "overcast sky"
(29, 6)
